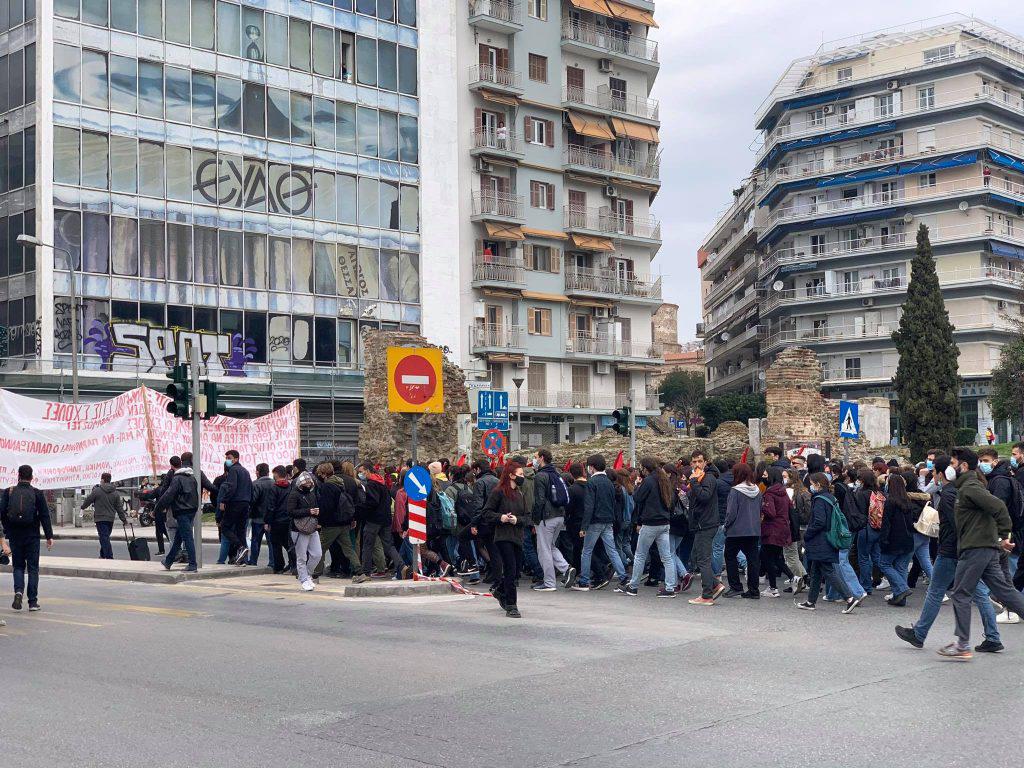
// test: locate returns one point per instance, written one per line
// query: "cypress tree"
(926, 383)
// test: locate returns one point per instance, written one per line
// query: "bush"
(965, 436)
(731, 407)
(702, 430)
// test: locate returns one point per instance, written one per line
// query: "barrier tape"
(455, 585)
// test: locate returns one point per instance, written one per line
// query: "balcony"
(589, 38)
(594, 401)
(732, 280)
(740, 340)
(498, 206)
(730, 311)
(504, 16)
(605, 101)
(491, 78)
(503, 272)
(745, 376)
(500, 142)
(602, 345)
(607, 282)
(604, 221)
(645, 166)
(499, 338)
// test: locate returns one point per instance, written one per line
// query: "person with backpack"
(550, 502)
(896, 539)
(23, 511)
(336, 516)
(1003, 485)
(375, 514)
(846, 499)
(653, 500)
(107, 504)
(776, 534)
(799, 516)
(743, 532)
(441, 521)
(826, 534)
(598, 519)
(465, 511)
(871, 501)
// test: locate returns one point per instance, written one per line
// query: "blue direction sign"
(492, 410)
(417, 484)
(849, 419)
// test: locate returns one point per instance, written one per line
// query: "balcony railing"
(607, 221)
(601, 344)
(489, 336)
(745, 372)
(717, 348)
(497, 139)
(591, 400)
(610, 283)
(729, 310)
(500, 204)
(732, 280)
(609, 40)
(487, 74)
(613, 101)
(499, 10)
(491, 269)
(647, 166)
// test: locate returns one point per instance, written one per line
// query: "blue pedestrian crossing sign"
(849, 419)
(492, 410)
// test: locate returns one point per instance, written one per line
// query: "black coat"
(599, 502)
(300, 503)
(649, 509)
(704, 501)
(722, 488)
(336, 510)
(376, 508)
(897, 534)
(947, 522)
(237, 486)
(816, 544)
(499, 504)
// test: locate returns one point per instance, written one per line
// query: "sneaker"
(580, 587)
(513, 613)
(717, 593)
(308, 585)
(405, 573)
(380, 574)
(542, 588)
(601, 584)
(751, 595)
(900, 600)
(701, 601)
(446, 570)
(732, 593)
(666, 592)
(989, 647)
(801, 585)
(191, 569)
(945, 599)
(3, 623)
(888, 597)
(954, 652)
(686, 582)
(625, 589)
(1008, 617)
(33, 607)
(883, 584)
(242, 557)
(806, 606)
(770, 592)
(907, 634)
(166, 565)
(16, 605)
(852, 603)
(570, 577)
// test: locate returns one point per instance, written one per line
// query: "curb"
(143, 577)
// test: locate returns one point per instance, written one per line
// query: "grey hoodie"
(106, 503)
(743, 511)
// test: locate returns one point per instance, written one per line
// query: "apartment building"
(559, 165)
(862, 143)
(241, 178)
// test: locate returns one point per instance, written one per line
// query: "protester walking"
(896, 539)
(262, 497)
(23, 512)
(598, 519)
(278, 523)
(337, 516)
(743, 532)
(505, 511)
(822, 553)
(550, 502)
(799, 517)
(653, 500)
(233, 500)
(107, 505)
(304, 511)
(775, 530)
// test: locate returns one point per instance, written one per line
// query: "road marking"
(65, 621)
(176, 613)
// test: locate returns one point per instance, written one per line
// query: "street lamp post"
(29, 241)
(518, 381)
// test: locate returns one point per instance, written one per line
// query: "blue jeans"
(225, 550)
(718, 553)
(868, 555)
(922, 553)
(654, 534)
(602, 531)
(103, 528)
(674, 543)
(895, 569)
(847, 574)
(256, 533)
(183, 536)
(533, 566)
(943, 572)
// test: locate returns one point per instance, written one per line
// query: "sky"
(719, 59)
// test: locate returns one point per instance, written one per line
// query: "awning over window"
(500, 98)
(1009, 251)
(538, 296)
(595, 6)
(591, 243)
(628, 13)
(593, 127)
(1005, 160)
(633, 130)
(828, 138)
(779, 232)
(545, 233)
(504, 231)
(821, 98)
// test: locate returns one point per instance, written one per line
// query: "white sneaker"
(888, 597)
(945, 598)
(884, 584)
(1008, 617)
(308, 585)
(770, 592)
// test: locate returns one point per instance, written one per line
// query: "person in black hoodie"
(652, 502)
(336, 517)
(598, 520)
(23, 511)
(277, 522)
(375, 514)
(896, 538)
(702, 489)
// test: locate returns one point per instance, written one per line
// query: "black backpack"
(21, 505)
(855, 519)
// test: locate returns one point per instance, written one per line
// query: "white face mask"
(950, 473)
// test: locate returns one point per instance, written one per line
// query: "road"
(222, 673)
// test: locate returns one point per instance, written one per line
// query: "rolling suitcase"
(138, 549)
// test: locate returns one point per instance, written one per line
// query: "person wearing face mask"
(233, 500)
(505, 512)
(598, 520)
(302, 505)
(374, 512)
(550, 501)
(944, 569)
(653, 499)
(1003, 485)
(799, 516)
(822, 556)
(278, 522)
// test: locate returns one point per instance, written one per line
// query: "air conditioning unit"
(524, 362)
(829, 109)
(604, 65)
(893, 85)
(602, 369)
(868, 302)
(479, 310)
(700, 329)
(610, 191)
(483, 166)
(601, 313)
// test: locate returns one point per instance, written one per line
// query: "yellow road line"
(176, 613)
(65, 621)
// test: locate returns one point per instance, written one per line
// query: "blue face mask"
(228, 462)
(930, 464)
(1013, 462)
(985, 467)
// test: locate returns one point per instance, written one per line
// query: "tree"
(682, 391)
(1007, 395)
(927, 385)
(732, 407)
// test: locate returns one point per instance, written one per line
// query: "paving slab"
(151, 572)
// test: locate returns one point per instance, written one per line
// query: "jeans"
(256, 532)
(307, 553)
(225, 548)
(895, 569)
(718, 552)
(922, 553)
(703, 542)
(818, 570)
(533, 566)
(868, 554)
(974, 565)
(654, 534)
(602, 531)
(943, 572)
(674, 542)
(25, 556)
(551, 558)
(847, 574)
(103, 528)
(184, 535)
(748, 545)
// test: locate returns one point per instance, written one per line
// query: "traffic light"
(214, 406)
(621, 417)
(178, 392)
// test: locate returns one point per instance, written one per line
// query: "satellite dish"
(725, 336)
(907, 218)
(964, 205)
(778, 285)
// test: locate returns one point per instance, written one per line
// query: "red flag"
(800, 452)
(462, 461)
(743, 458)
(567, 465)
(618, 461)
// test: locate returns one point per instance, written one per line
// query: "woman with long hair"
(799, 515)
(653, 500)
(743, 531)
(775, 529)
(505, 512)
(624, 513)
(822, 556)
(896, 538)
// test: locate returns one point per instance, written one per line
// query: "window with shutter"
(551, 197)
(538, 68)
(549, 133)
(528, 255)
(556, 260)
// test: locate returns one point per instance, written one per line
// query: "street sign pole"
(846, 451)
(197, 462)
(415, 436)
(519, 412)
(632, 431)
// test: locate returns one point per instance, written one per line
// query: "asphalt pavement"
(223, 673)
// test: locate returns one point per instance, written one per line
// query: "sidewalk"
(88, 533)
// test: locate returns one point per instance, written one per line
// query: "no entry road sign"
(415, 382)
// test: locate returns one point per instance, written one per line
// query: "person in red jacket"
(775, 529)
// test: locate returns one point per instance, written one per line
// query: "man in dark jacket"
(375, 514)
(574, 517)
(702, 490)
(598, 518)
(486, 481)
(277, 522)
(182, 500)
(23, 510)
(549, 520)
(1003, 485)
(233, 500)
(983, 528)
(155, 493)
(258, 508)
(776, 458)
(337, 516)
(107, 503)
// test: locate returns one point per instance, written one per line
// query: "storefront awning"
(593, 127)
(591, 243)
(544, 233)
(504, 231)
(594, 6)
(633, 130)
(538, 296)
(500, 98)
(627, 12)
